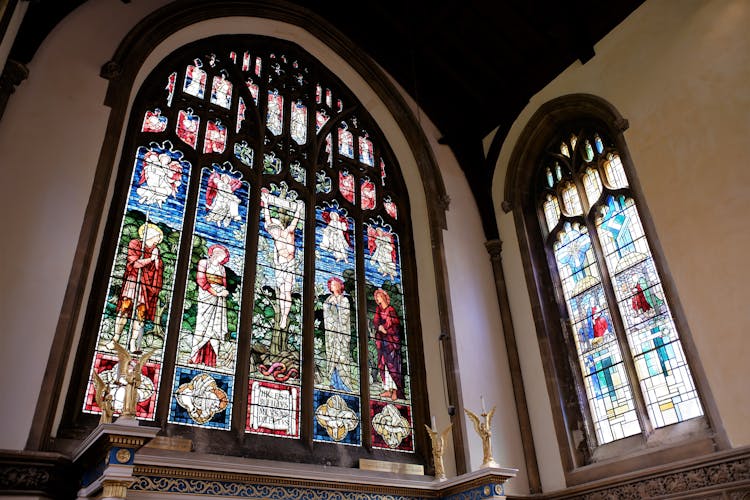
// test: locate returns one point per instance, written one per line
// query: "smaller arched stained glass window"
(632, 364)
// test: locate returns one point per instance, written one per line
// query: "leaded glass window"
(629, 358)
(258, 271)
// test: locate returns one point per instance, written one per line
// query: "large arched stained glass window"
(257, 264)
(629, 358)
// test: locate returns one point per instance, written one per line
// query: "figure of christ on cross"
(283, 253)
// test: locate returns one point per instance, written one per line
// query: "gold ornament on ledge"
(103, 398)
(485, 432)
(438, 447)
(129, 376)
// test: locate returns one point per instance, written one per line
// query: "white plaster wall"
(481, 356)
(51, 136)
(678, 70)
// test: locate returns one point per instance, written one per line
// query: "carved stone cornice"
(36, 473)
(721, 475)
(507, 206)
(111, 70)
(13, 74)
(486, 483)
(495, 249)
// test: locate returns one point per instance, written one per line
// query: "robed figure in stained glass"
(644, 300)
(160, 178)
(141, 284)
(337, 321)
(596, 326)
(382, 250)
(211, 318)
(222, 204)
(335, 236)
(388, 343)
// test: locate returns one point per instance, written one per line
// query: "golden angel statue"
(438, 445)
(103, 398)
(485, 432)
(129, 378)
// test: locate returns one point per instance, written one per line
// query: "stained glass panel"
(221, 91)
(346, 185)
(611, 404)
(660, 362)
(171, 82)
(207, 346)
(367, 194)
(136, 310)
(390, 207)
(216, 137)
(241, 109)
(253, 88)
(276, 342)
(388, 361)
(571, 200)
(154, 121)
(592, 183)
(275, 114)
(187, 127)
(614, 172)
(551, 211)
(366, 155)
(346, 142)
(337, 407)
(299, 122)
(321, 118)
(195, 80)
(655, 351)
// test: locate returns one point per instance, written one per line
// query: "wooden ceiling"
(471, 65)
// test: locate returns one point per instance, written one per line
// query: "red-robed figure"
(141, 284)
(388, 344)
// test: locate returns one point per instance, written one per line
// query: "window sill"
(666, 445)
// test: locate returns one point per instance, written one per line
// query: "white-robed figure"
(222, 204)
(382, 250)
(160, 178)
(211, 318)
(337, 322)
(335, 237)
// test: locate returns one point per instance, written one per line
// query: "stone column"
(495, 249)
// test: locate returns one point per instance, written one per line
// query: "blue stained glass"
(136, 311)
(336, 418)
(588, 151)
(599, 144)
(210, 326)
(201, 399)
(205, 352)
(336, 345)
(382, 254)
(573, 252)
